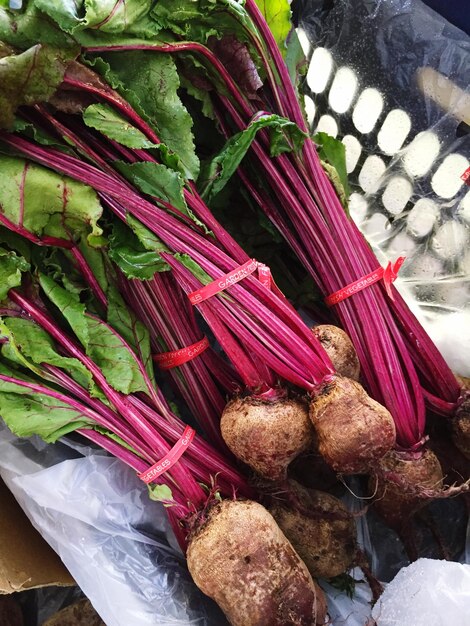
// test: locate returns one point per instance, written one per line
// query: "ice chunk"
(426, 593)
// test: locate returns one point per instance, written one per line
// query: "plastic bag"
(390, 78)
(114, 540)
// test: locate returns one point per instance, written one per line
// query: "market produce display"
(131, 314)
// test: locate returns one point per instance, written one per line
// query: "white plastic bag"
(390, 78)
(114, 540)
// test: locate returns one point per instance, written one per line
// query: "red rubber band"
(389, 275)
(264, 276)
(169, 360)
(227, 280)
(466, 176)
(170, 458)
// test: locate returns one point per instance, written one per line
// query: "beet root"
(340, 349)
(405, 483)
(266, 434)
(240, 558)
(353, 431)
(320, 528)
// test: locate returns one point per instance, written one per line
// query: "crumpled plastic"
(409, 198)
(116, 542)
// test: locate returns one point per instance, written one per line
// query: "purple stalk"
(200, 458)
(407, 409)
(267, 309)
(192, 490)
(170, 427)
(213, 461)
(123, 453)
(427, 358)
(407, 403)
(195, 380)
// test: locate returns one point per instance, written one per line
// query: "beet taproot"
(340, 349)
(241, 559)
(320, 528)
(353, 431)
(267, 434)
(404, 484)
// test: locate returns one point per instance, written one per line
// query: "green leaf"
(6, 50)
(161, 182)
(67, 13)
(194, 268)
(200, 94)
(296, 60)
(118, 315)
(135, 259)
(277, 14)
(112, 16)
(156, 180)
(147, 238)
(285, 136)
(124, 321)
(106, 347)
(104, 118)
(29, 345)
(25, 28)
(149, 81)
(15, 242)
(38, 134)
(28, 413)
(59, 265)
(116, 438)
(11, 270)
(226, 28)
(160, 493)
(199, 20)
(332, 174)
(98, 262)
(107, 16)
(30, 77)
(114, 358)
(333, 152)
(46, 203)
